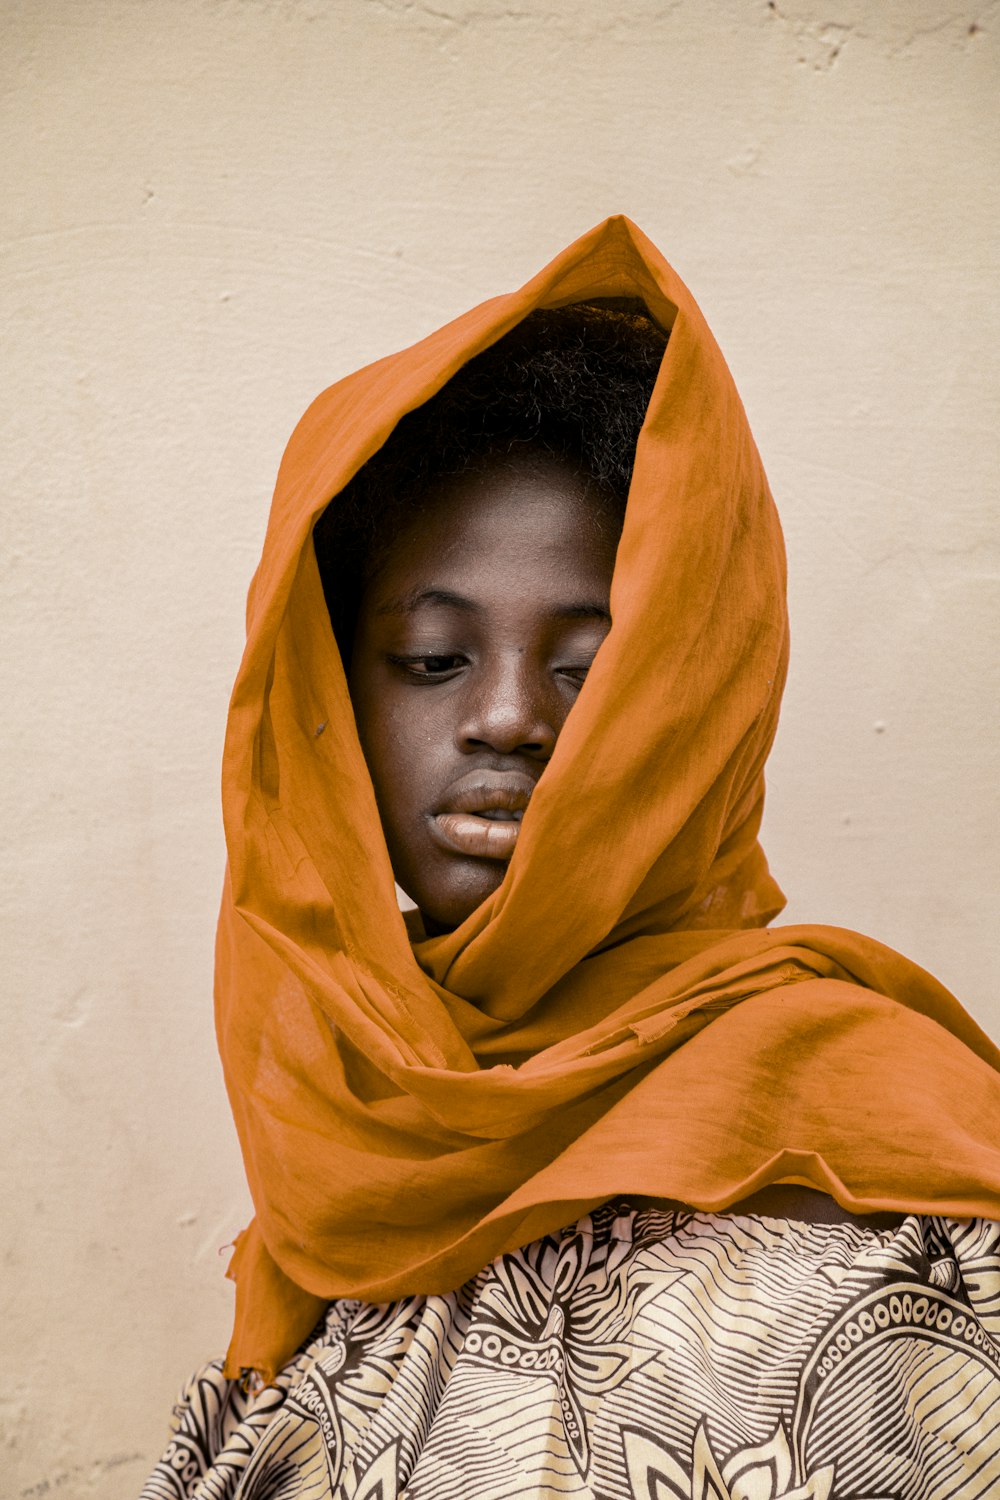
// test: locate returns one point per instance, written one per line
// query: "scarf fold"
(616, 1017)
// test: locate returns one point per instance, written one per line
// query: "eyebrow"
(409, 603)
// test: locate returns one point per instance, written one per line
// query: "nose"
(511, 707)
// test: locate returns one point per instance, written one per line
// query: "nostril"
(484, 737)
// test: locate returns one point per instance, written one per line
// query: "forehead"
(512, 524)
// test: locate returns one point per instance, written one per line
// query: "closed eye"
(575, 675)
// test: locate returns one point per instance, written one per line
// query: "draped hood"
(668, 1041)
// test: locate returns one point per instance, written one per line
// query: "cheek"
(404, 744)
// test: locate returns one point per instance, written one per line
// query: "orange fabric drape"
(616, 1018)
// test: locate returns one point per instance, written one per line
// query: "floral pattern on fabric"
(639, 1355)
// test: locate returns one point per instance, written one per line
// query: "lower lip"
(482, 838)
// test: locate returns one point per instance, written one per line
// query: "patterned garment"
(640, 1353)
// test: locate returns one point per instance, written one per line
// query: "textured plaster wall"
(213, 208)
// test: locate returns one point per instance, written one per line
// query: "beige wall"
(213, 208)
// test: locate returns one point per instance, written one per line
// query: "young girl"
(581, 1180)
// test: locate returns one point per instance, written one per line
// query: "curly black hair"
(571, 382)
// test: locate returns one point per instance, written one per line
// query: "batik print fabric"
(641, 1353)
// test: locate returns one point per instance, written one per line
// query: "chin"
(445, 904)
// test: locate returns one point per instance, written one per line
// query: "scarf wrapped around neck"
(616, 1017)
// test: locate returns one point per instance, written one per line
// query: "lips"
(480, 814)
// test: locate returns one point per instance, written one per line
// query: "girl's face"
(471, 645)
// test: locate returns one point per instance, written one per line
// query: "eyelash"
(410, 664)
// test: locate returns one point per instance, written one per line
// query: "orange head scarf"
(615, 1018)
